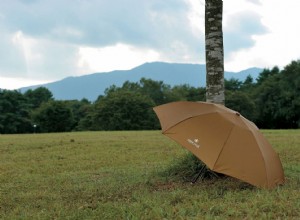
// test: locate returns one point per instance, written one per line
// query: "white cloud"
(196, 16)
(240, 29)
(43, 59)
(26, 46)
(255, 1)
(67, 33)
(11, 56)
(117, 57)
(16, 83)
(277, 47)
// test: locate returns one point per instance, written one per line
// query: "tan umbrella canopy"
(224, 140)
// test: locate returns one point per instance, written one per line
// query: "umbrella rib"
(264, 161)
(223, 147)
(185, 119)
(168, 128)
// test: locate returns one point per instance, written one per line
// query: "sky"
(47, 40)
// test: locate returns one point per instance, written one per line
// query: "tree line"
(271, 101)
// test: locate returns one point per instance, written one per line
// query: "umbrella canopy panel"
(206, 142)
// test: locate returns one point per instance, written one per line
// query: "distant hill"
(93, 85)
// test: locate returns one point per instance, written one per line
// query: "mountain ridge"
(92, 85)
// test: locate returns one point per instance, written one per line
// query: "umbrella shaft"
(201, 172)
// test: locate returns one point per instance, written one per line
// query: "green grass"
(126, 175)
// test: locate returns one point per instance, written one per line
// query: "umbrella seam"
(166, 129)
(193, 116)
(263, 159)
(223, 147)
(260, 150)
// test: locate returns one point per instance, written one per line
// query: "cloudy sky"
(47, 40)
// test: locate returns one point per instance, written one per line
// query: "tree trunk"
(214, 52)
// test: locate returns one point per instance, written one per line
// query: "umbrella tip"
(237, 113)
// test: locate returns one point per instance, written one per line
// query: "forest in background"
(270, 101)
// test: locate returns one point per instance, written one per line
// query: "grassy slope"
(117, 175)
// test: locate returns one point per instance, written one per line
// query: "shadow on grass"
(187, 168)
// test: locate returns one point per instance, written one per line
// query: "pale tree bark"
(214, 52)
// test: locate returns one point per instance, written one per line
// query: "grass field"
(122, 175)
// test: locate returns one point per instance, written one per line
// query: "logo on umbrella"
(194, 142)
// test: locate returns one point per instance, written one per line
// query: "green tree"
(80, 109)
(124, 110)
(248, 83)
(54, 116)
(196, 94)
(268, 98)
(266, 73)
(188, 93)
(37, 96)
(159, 92)
(233, 84)
(290, 84)
(156, 90)
(14, 113)
(87, 122)
(277, 97)
(242, 103)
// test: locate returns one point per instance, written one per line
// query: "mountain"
(93, 85)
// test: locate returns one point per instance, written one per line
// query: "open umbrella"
(223, 139)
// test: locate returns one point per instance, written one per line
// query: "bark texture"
(214, 52)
